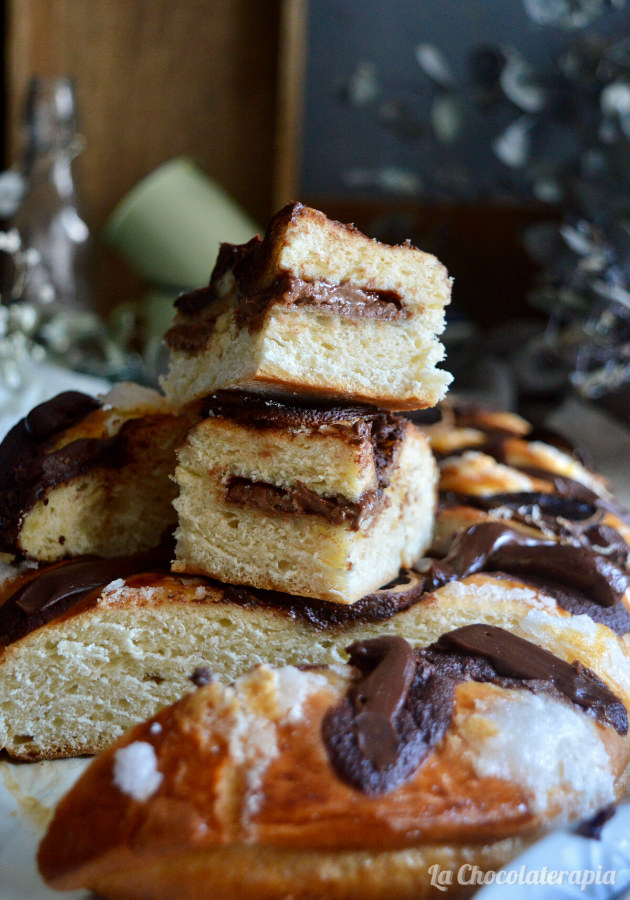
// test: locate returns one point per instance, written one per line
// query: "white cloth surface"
(41, 382)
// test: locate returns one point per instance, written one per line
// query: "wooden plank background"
(155, 79)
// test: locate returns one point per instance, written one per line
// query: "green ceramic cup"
(170, 225)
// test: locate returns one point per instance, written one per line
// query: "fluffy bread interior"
(301, 554)
(305, 243)
(75, 684)
(308, 352)
(111, 511)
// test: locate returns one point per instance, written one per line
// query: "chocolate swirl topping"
(403, 702)
(251, 409)
(60, 587)
(493, 545)
(28, 468)
(515, 657)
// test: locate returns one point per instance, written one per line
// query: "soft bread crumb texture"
(312, 247)
(301, 554)
(330, 460)
(311, 351)
(72, 686)
(244, 769)
(111, 511)
(308, 352)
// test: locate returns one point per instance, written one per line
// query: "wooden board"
(155, 79)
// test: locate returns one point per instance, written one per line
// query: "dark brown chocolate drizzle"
(28, 468)
(514, 657)
(58, 588)
(494, 445)
(493, 545)
(403, 702)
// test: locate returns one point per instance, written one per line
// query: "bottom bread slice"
(74, 684)
(286, 783)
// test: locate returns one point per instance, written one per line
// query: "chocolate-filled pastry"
(318, 311)
(483, 452)
(81, 475)
(324, 502)
(89, 647)
(349, 782)
(495, 468)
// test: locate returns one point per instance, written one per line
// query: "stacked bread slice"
(486, 692)
(315, 310)
(301, 495)
(290, 482)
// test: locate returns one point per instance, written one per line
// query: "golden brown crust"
(285, 387)
(254, 873)
(241, 771)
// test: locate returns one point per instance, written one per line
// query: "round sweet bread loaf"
(350, 781)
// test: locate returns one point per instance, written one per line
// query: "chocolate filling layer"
(395, 597)
(28, 468)
(269, 498)
(247, 263)
(401, 706)
(616, 617)
(58, 588)
(384, 431)
(253, 410)
(347, 300)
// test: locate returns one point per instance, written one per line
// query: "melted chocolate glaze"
(552, 505)
(575, 519)
(401, 594)
(415, 717)
(514, 657)
(58, 588)
(28, 468)
(400, 707)
(616, 617)
(252, 409)
(387, 666)
(493, 545)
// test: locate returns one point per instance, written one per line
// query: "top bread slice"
(315, 309)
